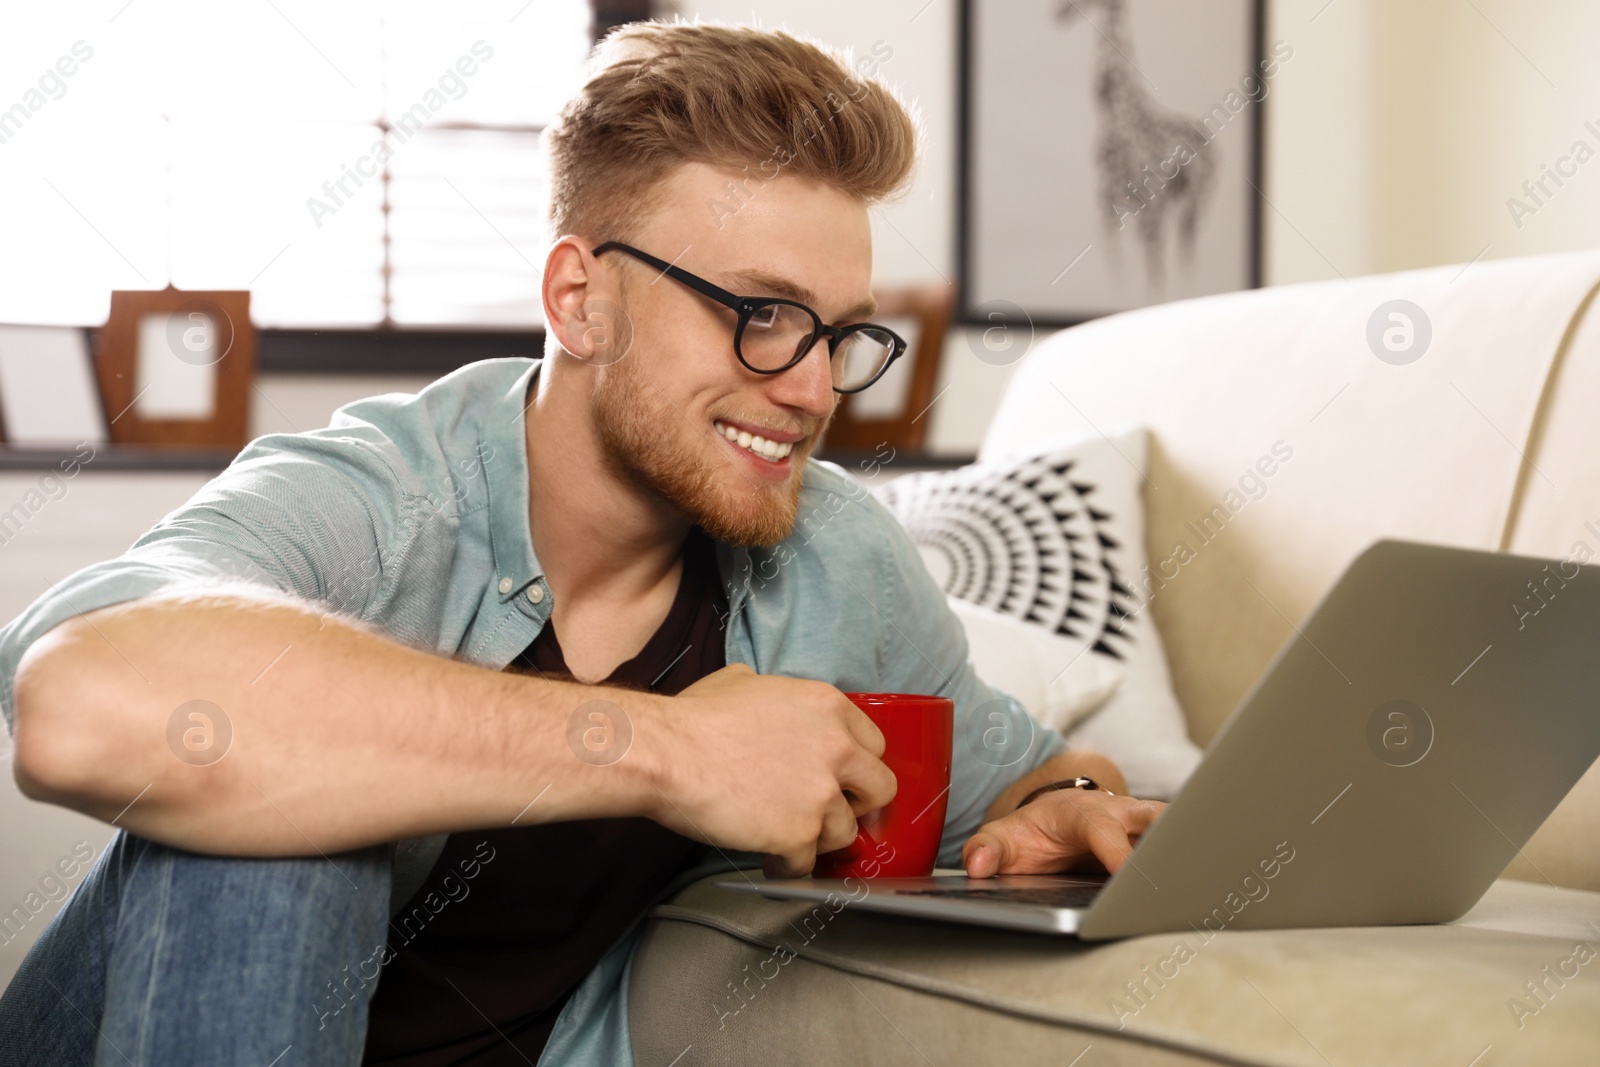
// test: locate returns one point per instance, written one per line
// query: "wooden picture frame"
(175, 368)
(861, 423)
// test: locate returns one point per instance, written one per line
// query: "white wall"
(293, 403)
(1316, 221)
(1473, 100)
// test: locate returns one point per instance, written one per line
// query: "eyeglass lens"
(777, 333)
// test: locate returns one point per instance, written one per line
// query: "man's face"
(663, 411)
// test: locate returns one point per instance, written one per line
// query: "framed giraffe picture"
(1110, 154)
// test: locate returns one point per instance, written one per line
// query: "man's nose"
(808, 385)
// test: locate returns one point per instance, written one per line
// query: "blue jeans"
(166, 958)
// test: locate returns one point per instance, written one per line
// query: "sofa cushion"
(1053, 538)
(1024, 661)
(742, 979)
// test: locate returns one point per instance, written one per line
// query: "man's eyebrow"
(755, 282)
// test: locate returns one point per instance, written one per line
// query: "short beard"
(641, 441)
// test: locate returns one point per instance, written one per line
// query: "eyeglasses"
(774, 334)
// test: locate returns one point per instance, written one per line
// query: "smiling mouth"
(772, 451)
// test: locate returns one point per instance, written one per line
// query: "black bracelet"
(1079, 782)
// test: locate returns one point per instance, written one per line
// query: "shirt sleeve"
(312, 515)
(996, 741)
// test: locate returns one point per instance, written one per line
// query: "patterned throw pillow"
(1054, 541)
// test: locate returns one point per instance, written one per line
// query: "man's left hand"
(1069, 829)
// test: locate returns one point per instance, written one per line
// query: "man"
(454, 688)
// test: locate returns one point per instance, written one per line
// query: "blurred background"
(147, 144)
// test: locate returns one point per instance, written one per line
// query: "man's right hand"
(763, 763)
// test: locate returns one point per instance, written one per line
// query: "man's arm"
(342, 738)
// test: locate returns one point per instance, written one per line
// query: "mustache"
(755, 426)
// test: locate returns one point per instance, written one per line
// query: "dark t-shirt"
(510, 920)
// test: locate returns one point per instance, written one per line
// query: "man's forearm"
(1063, 765)
(340, 737)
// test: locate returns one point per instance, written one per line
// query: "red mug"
(901, 839)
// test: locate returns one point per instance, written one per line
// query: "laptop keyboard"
(1067, 896)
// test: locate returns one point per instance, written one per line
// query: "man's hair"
(661, 94)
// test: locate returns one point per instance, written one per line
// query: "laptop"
(1402, 747)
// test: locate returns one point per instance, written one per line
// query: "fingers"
(839, 829)
(868, 783)
(1108, 827)
(1138, 817)
(795, 864)
(1107, 839)
(1058, 832)
(984, 855)
(866, 780)
(838, 826)
(862, 728)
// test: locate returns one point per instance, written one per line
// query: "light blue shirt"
(410, 512)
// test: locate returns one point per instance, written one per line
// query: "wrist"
(1064, 765)
(646, 769)
(1076, 782)
(1093, 765)
(598, 752)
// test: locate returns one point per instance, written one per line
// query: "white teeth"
(772, 450)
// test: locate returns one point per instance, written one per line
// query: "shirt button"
(505, 585)
(536, 593)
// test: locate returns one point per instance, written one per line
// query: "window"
(352, 164)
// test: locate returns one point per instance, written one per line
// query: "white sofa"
(1488, 440)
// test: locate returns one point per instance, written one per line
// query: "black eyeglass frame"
(747, 306)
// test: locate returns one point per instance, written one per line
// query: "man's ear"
(580, 307)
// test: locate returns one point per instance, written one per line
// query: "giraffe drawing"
(1151, 161)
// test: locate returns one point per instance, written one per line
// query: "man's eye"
(765, 317)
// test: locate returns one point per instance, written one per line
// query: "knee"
(346, 890)
(236, 951)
